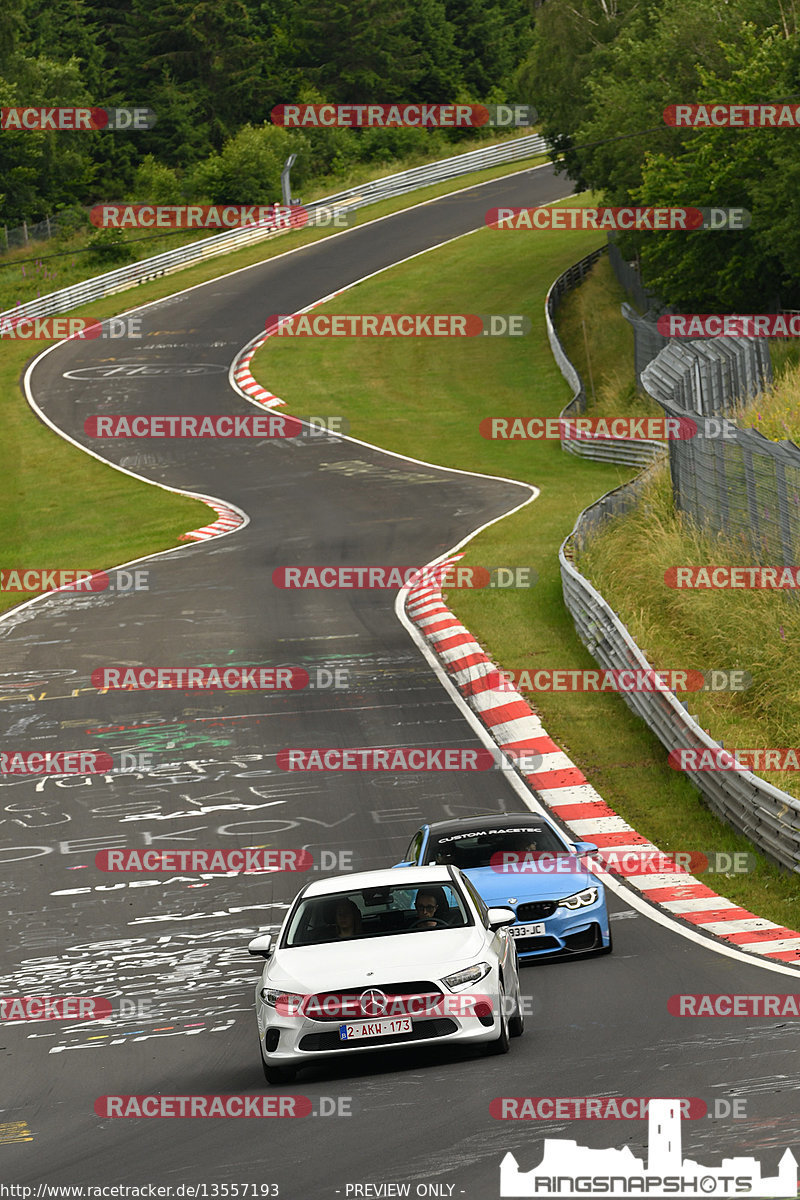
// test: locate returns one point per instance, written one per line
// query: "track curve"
(600, 1026)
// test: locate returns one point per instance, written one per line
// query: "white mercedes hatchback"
(383, 959)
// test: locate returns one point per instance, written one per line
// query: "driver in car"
(432, 911)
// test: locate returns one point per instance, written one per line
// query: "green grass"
(62, 508)
(601, 345)
(426, 398)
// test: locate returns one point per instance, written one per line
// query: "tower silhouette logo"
(568, 1169)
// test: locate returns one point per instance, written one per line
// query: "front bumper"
(566, 933)
(292, 1039)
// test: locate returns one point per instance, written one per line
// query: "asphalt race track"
(421, 1117)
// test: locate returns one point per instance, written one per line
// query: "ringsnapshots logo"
(734, 578)
(199, 216)
(712, 325)
(371, 578)
(407, 116)
(74, 120)
(623, 219)
(732, 116)
(26, 329)
(567, 1169)
(399, 325)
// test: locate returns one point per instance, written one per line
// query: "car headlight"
(288, 1004)
(468, 975)
(580, 899)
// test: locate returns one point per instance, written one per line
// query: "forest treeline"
(602, 71)
(212, 70)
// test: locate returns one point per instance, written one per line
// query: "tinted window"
(376, 912)
(476, 848)
(477, 900)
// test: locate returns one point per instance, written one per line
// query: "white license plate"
(520, 931)
(371, 1029)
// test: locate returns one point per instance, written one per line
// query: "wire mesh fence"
(729, 480)
(741, 484)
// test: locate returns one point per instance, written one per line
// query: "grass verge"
(62, 508)
(426, 399)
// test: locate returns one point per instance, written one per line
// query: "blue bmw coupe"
(524, 862)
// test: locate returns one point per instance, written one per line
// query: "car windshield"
(476, 847)
(377, 912)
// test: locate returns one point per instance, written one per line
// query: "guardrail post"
(286, 183)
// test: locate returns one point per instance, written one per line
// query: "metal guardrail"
(637, 453)
(765, 814)
(118, 280)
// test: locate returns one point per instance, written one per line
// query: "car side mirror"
(585, 848)
(402, 864)
(261, 946)
(498, 917)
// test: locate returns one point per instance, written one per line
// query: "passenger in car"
(348, 919)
